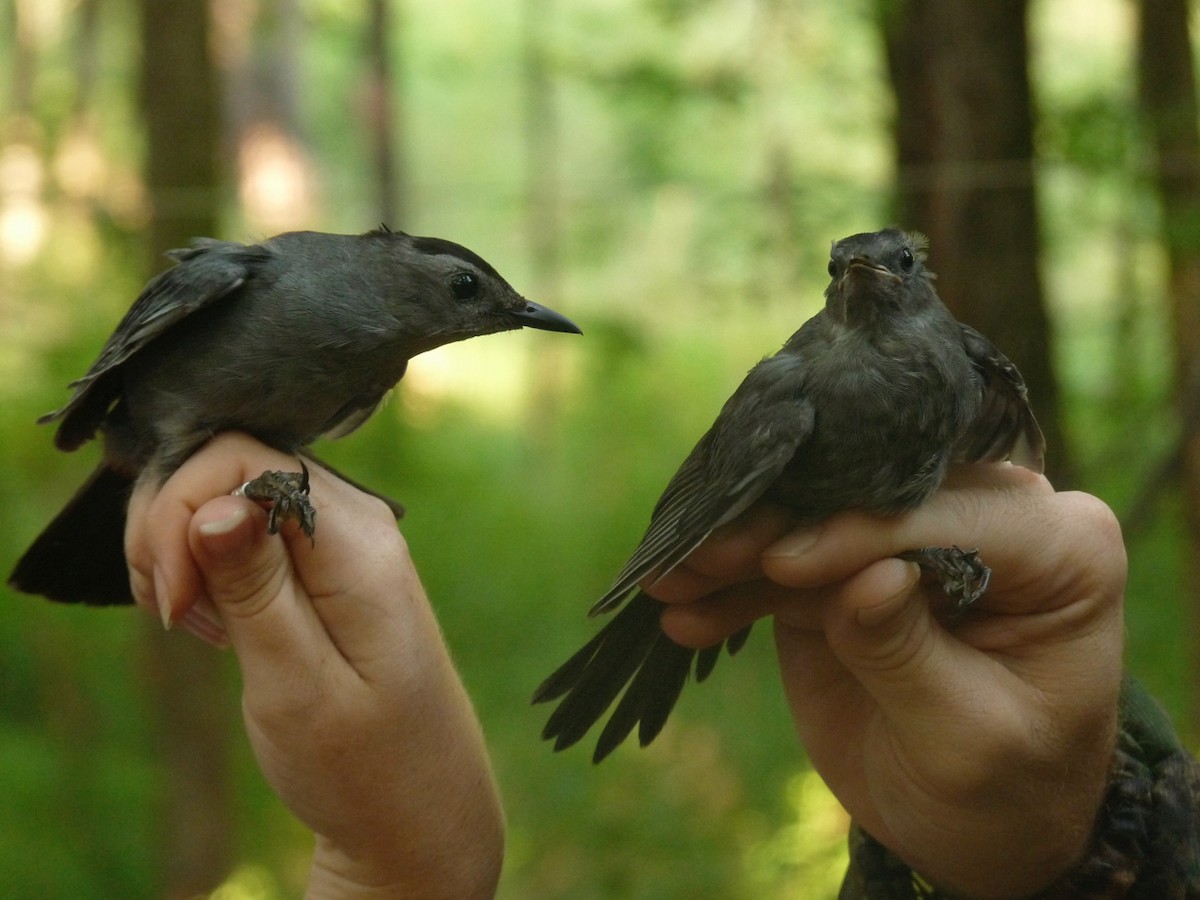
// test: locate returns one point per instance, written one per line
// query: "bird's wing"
(205, 273)
(1004, 427)
(752, 441)
(353, 413)
(740, 456)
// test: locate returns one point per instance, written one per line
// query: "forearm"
(446, 841)
(437, 832)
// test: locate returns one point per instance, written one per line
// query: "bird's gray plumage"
(864, 407)
(292, 339)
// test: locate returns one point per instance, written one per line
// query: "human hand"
(353, 708)
(975, 749)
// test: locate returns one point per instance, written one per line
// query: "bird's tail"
(630, 650)
(80, 557)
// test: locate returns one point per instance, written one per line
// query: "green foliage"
(708, 153)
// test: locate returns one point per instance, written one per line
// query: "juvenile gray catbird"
(292, 339)
(864, 407)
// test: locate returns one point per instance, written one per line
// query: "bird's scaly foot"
(287, 494)
(961, 573)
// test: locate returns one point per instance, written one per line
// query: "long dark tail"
(80, 557)
(630, 650)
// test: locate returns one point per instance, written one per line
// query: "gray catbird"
(864, 407)
(289, 340)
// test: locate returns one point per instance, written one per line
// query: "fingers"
(882, 661)
(247, 582)
(1024, 531)
(878, 626)
(163, 574)
(735, 552)
(1062, 544)
(715, 617)
(203, 558)
(729, 555)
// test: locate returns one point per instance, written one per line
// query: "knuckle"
(1092, 526)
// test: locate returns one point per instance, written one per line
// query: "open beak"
(534, 315)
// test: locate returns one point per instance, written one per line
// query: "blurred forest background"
(669, 173)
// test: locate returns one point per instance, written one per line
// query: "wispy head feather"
(920, 244)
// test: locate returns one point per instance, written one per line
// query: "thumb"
(881, 628)
(244, 569)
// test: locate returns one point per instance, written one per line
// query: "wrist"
(1145, 837)
(471, 874)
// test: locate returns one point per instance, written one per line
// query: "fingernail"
(161, 598)
(795, 543)
(203, 621)
(225, 525)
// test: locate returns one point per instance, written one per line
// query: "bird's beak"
(534, 315)
(873, 268)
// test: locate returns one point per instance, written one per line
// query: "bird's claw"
(961, 573)
(287, 494)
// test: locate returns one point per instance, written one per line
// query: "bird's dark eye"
(465, 285)
(832, 269)
(907, 260)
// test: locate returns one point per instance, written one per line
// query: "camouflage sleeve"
(1145, 844)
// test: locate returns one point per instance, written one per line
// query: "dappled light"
(489, 380)
(674, 190)
(23, 216)
(275, 182)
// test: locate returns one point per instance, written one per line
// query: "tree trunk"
(541, 147)
(19, 21)
(186, 682)
(543, 219)
(1167, 92)
(964, 150)
(383, 106)
(87, 57)
(260, 50)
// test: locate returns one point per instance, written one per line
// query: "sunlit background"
(669, 174)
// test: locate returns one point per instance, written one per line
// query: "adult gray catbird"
(292, 339)
(863, 408)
